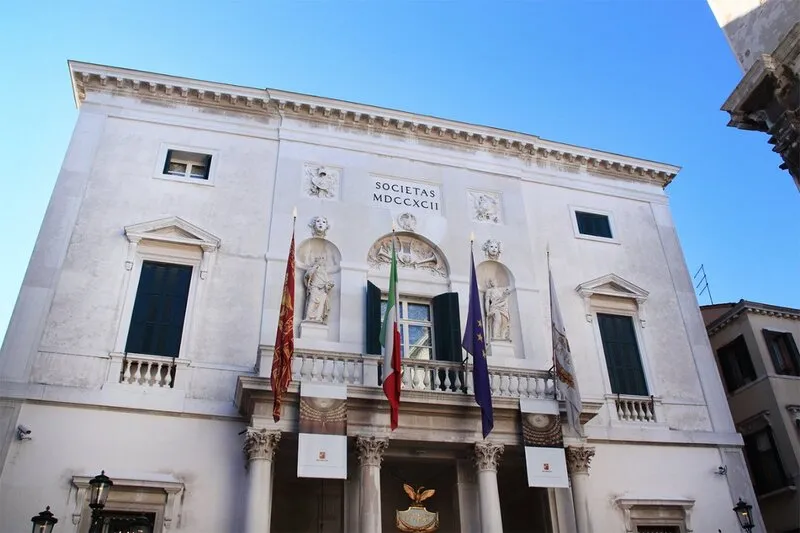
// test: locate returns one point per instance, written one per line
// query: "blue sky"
(644, 78)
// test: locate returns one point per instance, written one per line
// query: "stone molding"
(579, 459)
(614, 286)
(370, 450)
(260, 444)
(171, 230)
(487, 456)
(672, 511)
(87, 77)
(744, 306)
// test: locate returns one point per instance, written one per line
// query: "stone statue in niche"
(492, 248)
(321, 182)
(486, 207)
(319, 226)
(318, 287)
(498, 317)
(412, 252)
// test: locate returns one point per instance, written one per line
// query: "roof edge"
(100, 77)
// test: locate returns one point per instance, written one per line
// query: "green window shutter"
(622, 355)
(447, 327)
(373, 319)
(159, 309)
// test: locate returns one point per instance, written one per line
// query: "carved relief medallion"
(320, 181)
(407, 222)
(319, 226)
(412, 252)
(485, 206)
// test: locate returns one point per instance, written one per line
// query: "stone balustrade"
(148, 371)
(635, 408)
(327, 368)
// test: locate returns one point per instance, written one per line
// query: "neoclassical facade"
(142, 340)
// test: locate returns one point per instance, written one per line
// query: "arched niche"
(502, 277)
(307, 253)
(418, 259)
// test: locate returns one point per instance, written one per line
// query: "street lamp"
(44, 522)
(99, 487)
(744, 514)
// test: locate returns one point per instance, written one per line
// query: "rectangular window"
(658, 529)
(159, 309)
(416, 328)
(783, 352)
(593, 224)
(187, 164)
(765, 464)
(624, 363)
(737, 367)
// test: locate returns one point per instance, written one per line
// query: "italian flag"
(390, 339)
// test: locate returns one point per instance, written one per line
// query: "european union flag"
(474, 343)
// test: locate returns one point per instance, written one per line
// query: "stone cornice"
(744, 306)
(88, 77)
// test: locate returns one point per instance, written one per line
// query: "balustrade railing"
(145, 371)
(447, 377)
(635, 408)
(327, 368)
(420, 375)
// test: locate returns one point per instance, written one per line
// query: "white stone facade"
(172, 428)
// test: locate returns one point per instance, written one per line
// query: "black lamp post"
(744, 513)
(44, 522)
(99, 487)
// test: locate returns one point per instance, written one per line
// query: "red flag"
(284, 339)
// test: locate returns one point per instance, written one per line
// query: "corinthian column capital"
(487, 455)
(579, 458)
(260, 443)
(370, 450)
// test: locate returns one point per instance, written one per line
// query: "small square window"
(187, 164)
(593, 224)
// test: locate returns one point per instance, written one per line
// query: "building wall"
(769, 395)
(69, 441)
(754, 27)
(75, 303)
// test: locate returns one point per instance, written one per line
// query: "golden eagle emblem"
(417, 519)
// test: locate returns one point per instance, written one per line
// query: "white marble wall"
(70, 316)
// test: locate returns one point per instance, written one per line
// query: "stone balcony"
(437, 401)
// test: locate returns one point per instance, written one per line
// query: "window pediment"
(171, 230)
(614, 286)
(664, 511)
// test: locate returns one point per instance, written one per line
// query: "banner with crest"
(322, 439)
(543, 437)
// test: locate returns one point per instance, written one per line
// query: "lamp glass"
(44, 522)
(100, 487)
(744, 513)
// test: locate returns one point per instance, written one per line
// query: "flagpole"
(465, 361)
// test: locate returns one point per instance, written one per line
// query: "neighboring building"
(765, 37)
(142, 339)
(756, 348)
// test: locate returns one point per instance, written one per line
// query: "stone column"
(487, 457)
(259, 448)
(578, 459)
(370, 454)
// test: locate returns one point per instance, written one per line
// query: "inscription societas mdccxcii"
(406, 194)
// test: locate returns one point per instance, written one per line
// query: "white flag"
(565, 370)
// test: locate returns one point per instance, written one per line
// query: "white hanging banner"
(542, 434)
(322, 439)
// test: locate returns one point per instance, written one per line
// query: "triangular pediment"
(173, 230)
(612, 285)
